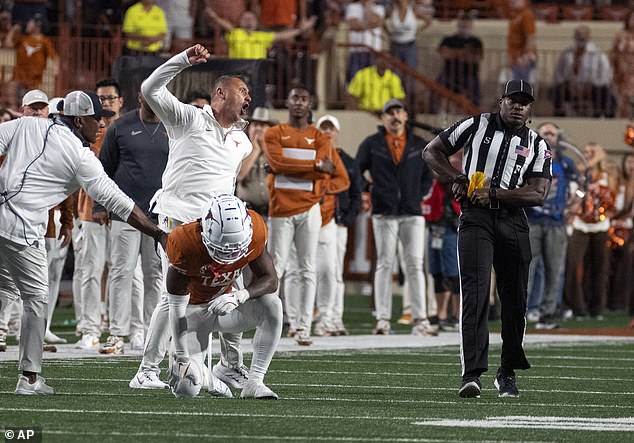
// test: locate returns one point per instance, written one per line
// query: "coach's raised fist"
(197, 54)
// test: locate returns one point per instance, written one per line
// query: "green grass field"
(577, 392)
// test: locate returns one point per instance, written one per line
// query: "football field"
(580, 389)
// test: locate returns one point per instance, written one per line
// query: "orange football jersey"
(188, 254)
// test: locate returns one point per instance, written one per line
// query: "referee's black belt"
(466, 204)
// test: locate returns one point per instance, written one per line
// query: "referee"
(493, 229)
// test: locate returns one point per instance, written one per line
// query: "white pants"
(410, 230)
(126, 245)
(342, 245)
(55, 257)
(302, 230)
(78, 247)
(262, 313)
(23, 270)
(159, 333)
(327, 272)
(92, 261)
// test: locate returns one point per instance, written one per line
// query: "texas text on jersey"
(188, 255)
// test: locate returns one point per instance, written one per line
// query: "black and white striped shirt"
(507, 157)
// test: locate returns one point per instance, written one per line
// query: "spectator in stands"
(462, 53)
(402, 26)
(179, 15)
(277, 15)
(230, 10)
(300, 157)
(348, 205)
(521, 44)
(365, 23)
(9, 99)
(198, 99)
(548, 235)
(583, 76)
(144, 28)
(373, 86)
(134, 155)
(251, 187)
(399, 180)
(248, 43)
(623, 63)
(91, 243)
(32, 52)
(587, 257)
(5, 28)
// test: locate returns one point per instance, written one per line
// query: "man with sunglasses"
(514, 165)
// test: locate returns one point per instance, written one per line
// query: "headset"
(5, 198)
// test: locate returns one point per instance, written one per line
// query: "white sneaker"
(302, 338)
(216, 387)
(3, 341)
(382, 328)
(38, 388)
(137, 342)
(424, 328)
(234, 377)
(53, 339)
(323, 329)
(113, 345)
(257, 389)
(532, 316)
(147, 380)
(87, 342)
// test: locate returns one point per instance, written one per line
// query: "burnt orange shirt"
(65, 217)
(293, 155)
(521, 28)
(31, 54)
(278, 13)
(84, 201)
(188, 254)
(338, 182)
(397, 146)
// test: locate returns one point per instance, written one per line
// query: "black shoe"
(471, 387)
(505, 384)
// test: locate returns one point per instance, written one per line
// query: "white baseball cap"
(52, 105)
(329, 118)
(34, 96)
(84, 103)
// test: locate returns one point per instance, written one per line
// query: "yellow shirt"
(372, 90)
(252, 45)
(146, 23)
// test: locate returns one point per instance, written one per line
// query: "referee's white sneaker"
(234, 377)
(257, 389)
(147, 380)
(38, 388)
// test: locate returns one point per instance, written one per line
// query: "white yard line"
(625, 424)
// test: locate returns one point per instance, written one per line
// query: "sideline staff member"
(493, 230)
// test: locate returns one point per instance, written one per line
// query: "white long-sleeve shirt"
(37, 175)
(204, 157)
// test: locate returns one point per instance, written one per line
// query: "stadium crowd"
(300, 189)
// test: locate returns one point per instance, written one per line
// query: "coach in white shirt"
(207, 147)
(44, 161)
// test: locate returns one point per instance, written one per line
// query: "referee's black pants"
(498, 238)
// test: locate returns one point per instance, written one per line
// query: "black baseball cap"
(518, 87)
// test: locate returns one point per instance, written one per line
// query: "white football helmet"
(186, 378)
(226, 228)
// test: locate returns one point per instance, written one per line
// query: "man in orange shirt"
(206, 257)
(521, 49)
(300, 159)
(91, 246)
(32, 51)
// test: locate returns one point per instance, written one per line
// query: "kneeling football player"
(206, 257)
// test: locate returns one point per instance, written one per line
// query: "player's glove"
(225, 303)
